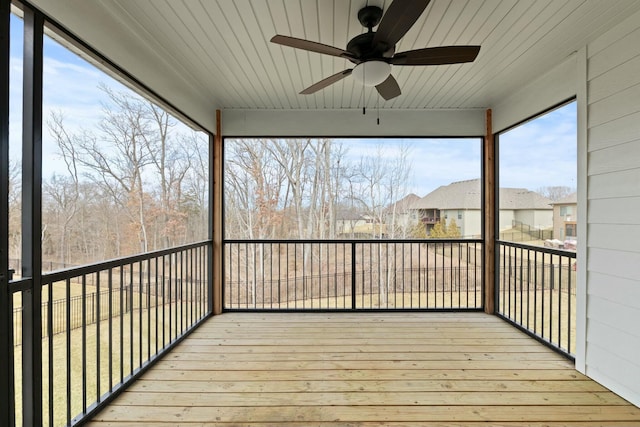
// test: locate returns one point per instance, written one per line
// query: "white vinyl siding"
(613, 216)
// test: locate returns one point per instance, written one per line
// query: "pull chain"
(364, 108)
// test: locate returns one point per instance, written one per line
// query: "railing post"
(353, 275)
(7, 315)
(32, 218)
(216, 275)
(489, 180)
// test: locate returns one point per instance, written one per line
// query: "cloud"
(539, 153)
(433, 161)
(71, 86)
(542, 152)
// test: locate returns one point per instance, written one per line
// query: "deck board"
(363, 369)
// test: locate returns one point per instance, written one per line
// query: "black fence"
(104, 324)
(525, 233)
(47, 266)
(537, 292)
(85, 309)
(353, 274)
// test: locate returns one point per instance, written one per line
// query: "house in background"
(462, 200)
(400, 217)
(523, 208)
(459, 201)
(347, 221)
(395, 220)
(565, 218)
(370, 228)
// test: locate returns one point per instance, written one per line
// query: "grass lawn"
(551, 314)
(92, 372)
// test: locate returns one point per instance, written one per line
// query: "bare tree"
(254, 182)
(134, 173)
(64, 191)
(119, 160)
(330, 162)
(196, 194)
(171, 163)
(381, 181)
(291, 155)
(556, 192)
(396, 184)
(15, 211)
(282, 187)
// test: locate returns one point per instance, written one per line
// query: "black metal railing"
(353, 274)
(88, 314)
(104, 324)
(536, 290)
(47, 265)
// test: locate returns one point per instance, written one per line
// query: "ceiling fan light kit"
(371, 73)
(373, 52)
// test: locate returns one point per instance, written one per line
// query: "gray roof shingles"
(468, 195)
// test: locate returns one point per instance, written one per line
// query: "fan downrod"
(370, 16)
(361, 46)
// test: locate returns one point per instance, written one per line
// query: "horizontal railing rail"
(104, 324)
(536, 291)
(420, 274)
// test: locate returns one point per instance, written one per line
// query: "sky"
(62, 70)
(539, 153)
(433, 161)
(70, 87)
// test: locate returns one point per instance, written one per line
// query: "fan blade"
(310, 46)
(436, 55)
(397, 20)
(389, 88)
(326, 82)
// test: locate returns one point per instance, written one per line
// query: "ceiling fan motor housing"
(362, 46)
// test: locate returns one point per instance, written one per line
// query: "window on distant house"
(566, 210)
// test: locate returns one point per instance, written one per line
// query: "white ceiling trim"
(344, 123)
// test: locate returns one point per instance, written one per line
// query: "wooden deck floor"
(362, 369)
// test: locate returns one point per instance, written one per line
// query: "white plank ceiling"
(204, 55)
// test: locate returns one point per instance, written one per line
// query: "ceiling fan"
(373, 52)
